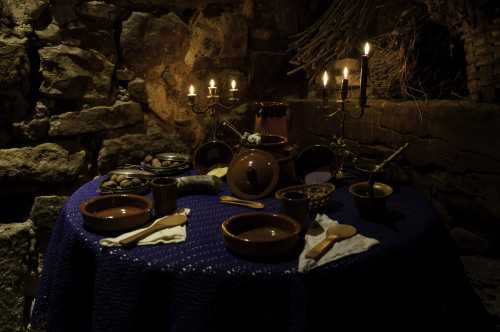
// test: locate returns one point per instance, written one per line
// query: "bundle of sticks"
(333, 35)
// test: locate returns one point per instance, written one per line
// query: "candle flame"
(346, 73)
(233, 84)
(212, 83)
(367, 48)
(191, 89)
(325, 79)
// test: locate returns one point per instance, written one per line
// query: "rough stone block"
(45, 163)
(33, 130)
(217, 39)
(133, 148)
(485, 60)
(14, 78)
(96, 119)
(99, 11)
(71, 73)
(137, 90)
(44, 214)
(15, 242)
(148, 42)
(484, 274)
(45, 210)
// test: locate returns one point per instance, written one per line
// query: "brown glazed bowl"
(113, 213)
(370, 207)
(261, 234)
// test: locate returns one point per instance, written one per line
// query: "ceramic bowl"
(261, 234)
(370, 207)
(113, 213)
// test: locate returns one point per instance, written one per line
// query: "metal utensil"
(334, 233)
(165, 222)
(242, 202)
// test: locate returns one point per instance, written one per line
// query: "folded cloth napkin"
(166, 235)
(317, 232)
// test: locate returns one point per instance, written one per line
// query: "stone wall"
(88, 85)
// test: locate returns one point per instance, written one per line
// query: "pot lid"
(253, 174)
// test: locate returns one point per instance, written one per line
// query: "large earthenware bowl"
(116, 213)
(261, 234)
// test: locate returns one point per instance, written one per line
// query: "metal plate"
(171, 156)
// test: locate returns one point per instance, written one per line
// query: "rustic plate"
(261, 234)
(210, 154)
(319, 160)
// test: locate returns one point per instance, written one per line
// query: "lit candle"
(191, 94)
(364, 76)
(325, 82)
(345, 84)
(233, 90)
(212, 89)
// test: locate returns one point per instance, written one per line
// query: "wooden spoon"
(164, 222)
(242, 202)
(334, 233)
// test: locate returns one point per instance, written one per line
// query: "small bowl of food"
(116, 213)
(261, 234)
(163, 164)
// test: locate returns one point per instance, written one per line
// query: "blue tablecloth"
(413, 276)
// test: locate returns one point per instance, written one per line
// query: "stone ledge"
(96, 119)
(43, 164)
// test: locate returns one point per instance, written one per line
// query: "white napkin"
(317, 232)
(166, 235)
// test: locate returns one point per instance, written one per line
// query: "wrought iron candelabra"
(215, 105)
(339, 144)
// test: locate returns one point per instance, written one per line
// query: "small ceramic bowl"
(261, 234)
(370, 207)
(114, 213)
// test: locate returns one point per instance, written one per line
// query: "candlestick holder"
(214, 108)
(338, 142)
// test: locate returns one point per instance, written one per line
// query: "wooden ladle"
(165, 222)
(334, 233)
(242, 202)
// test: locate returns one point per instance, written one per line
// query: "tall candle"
(345, 84)
(212, 89)
(191, 94)
(364, 76)
(233, 90)
(325, 82)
